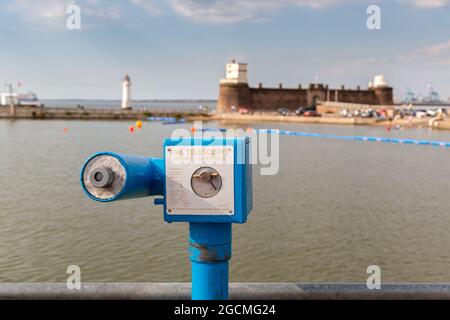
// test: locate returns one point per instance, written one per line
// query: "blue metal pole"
(210, 251)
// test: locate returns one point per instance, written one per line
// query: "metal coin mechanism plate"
(199, 180)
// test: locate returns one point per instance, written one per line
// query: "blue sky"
(178, 48)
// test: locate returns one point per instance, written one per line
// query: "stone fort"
(235, 93)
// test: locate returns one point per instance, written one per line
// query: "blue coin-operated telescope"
(207, 183)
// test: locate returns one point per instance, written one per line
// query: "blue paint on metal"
(210, 251)
(143, 177)
(181, 121)
(159, 178)
(209, 281)
(161, 119)
(243, 199)
(210, 235)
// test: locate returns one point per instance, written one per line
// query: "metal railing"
(238, 291)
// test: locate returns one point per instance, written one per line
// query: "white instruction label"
(181, 164)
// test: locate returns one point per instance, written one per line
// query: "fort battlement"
(236, 93)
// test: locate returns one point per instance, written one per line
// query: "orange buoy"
(193, 129)
(249, 130)
(131, 129)
(139, 124)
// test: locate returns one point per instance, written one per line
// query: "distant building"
(410, 97)
(433, 96)
(20, 99)
(7, 97)
(236, 93)
(126, 92)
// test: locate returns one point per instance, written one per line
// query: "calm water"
(334, 208)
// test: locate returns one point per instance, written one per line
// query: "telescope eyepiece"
(108, 176)
(102, 177)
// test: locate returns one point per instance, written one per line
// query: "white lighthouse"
(126, 92)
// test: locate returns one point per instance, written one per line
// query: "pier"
(24, 112)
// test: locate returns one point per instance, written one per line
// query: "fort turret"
(234, 90)
(384, 94)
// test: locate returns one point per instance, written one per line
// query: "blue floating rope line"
(433, 143)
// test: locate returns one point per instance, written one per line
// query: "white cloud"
(150, 6)
(437, 53)
(52, 13)
(31, 10)
(440, 49)
(229, 11)
(428, 3)
(99, 8)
